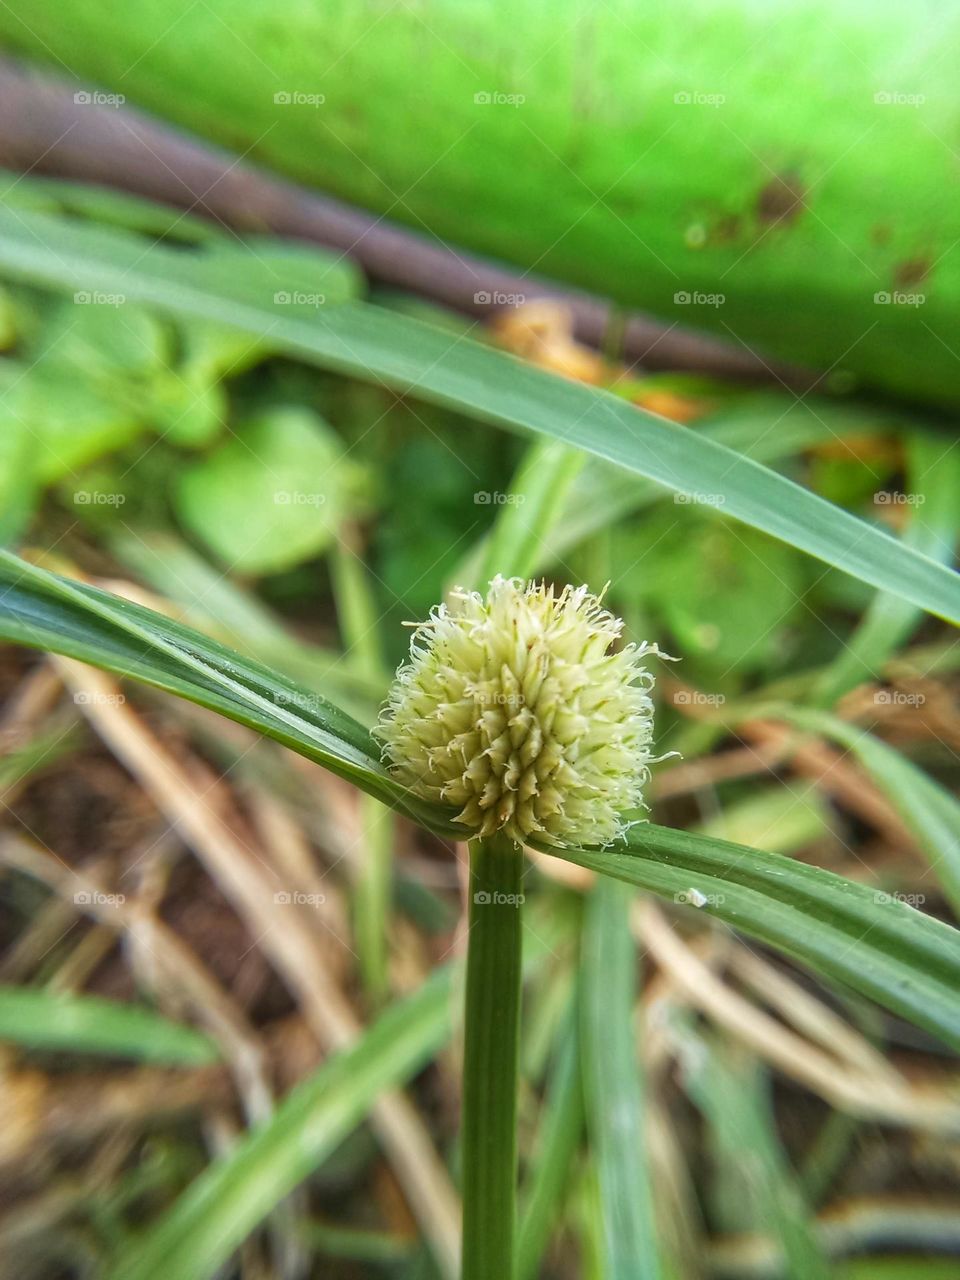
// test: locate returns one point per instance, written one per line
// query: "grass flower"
(519, 710)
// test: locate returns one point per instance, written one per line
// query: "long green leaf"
(49, 612)
(372, 343)
(877, 945)
(558, 1134)
(613, 1089)
(734, 1097)
(41, 1019)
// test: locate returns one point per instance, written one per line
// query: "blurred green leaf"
(37, 1019)
(613, 1086)
(18, 476)
(270, 497)
(69, 422)
(755, 1173)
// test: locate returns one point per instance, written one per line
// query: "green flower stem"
(491, 1042)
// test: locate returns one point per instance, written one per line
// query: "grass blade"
(39, 1019)
(906, 961)
(735, 1102)
(557, 1139)
(60, 615)
(612, 1085)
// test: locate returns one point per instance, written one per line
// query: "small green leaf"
(271, 496)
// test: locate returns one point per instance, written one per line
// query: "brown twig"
(45, 131)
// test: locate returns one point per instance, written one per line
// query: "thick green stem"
(492, 1027)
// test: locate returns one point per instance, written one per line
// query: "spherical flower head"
(518, 710)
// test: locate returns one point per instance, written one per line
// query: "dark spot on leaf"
(782, 199)
(881, 234)
(913, 271)
(726, 229)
